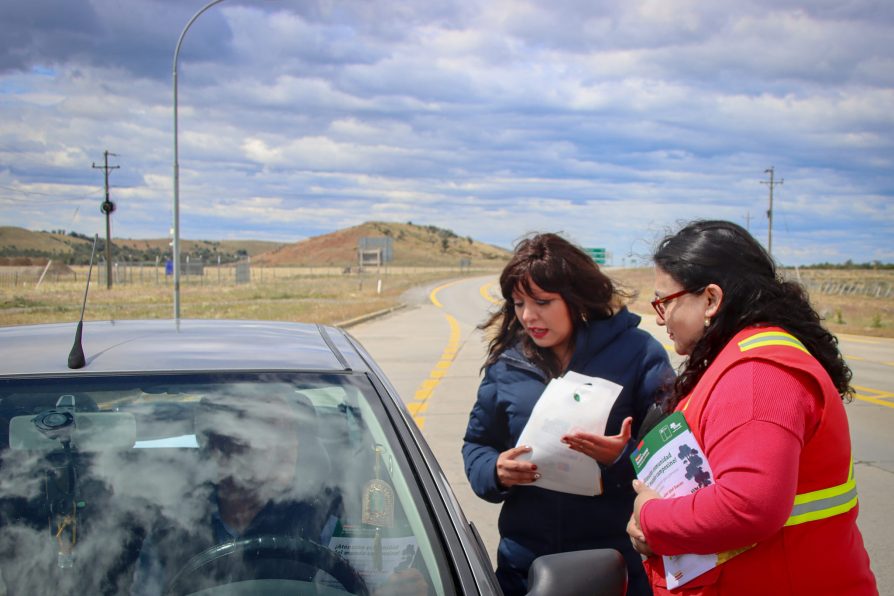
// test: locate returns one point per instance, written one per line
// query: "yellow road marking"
(434, 293)
(419, 405)
(859, 339)
(485, 292)
(874, 396)
(872, 400)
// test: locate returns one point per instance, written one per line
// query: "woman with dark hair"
(560, 313)
(762, 391)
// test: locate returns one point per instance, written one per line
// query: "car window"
(182, 483)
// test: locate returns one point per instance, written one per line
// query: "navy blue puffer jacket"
(535, 521)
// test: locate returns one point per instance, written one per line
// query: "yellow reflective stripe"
(826, 502)
(824, 513)
(771, 338)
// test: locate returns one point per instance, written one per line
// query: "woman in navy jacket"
(560, 313)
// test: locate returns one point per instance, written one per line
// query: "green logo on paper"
(577, 397)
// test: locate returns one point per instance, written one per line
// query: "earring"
(707, 322)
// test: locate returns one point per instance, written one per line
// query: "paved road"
(432, 352)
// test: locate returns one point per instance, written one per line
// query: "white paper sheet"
(570, 403)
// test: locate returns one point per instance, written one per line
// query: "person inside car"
(267, 492)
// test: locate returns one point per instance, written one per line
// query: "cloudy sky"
(608, 121)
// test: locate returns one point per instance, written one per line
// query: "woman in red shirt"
(762, 390)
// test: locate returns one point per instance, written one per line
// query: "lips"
(537, 332)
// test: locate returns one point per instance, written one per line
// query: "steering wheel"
(295, 549)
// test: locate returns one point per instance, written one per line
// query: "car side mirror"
(595, 572)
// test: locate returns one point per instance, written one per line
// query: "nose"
(526, 314)
(659, 320)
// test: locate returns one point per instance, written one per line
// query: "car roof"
(178, 345)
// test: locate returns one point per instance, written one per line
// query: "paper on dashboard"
(569, 403)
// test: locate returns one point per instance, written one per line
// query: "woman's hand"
(511, 471)
(644, 494)
(603, 449)
(638, 539)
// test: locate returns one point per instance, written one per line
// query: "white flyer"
(375, 563)
(569, 403)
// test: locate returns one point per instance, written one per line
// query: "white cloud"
(611, 121)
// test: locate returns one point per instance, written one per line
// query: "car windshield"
(249, 483)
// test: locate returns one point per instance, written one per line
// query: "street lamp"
(176, 226)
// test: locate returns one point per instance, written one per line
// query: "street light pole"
(176, 223)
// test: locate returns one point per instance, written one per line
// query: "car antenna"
(76, 356)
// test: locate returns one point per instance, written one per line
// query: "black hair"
(723, 253)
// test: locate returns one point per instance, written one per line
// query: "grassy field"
(327, 295)
(319, 295)
(835, 294)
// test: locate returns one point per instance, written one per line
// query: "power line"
(52, 198)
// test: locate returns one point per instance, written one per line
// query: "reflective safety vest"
(819, 550)
(782, 348)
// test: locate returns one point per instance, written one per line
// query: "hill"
(412, 245)
(74, 249)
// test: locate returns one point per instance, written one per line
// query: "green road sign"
(597, 254)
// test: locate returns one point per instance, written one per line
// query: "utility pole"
(771, 184)
(107, 207)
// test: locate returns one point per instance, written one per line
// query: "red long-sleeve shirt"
(755, 425)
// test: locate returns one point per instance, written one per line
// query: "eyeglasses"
(659, 303)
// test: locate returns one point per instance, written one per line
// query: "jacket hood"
(595, 336)
(590, 339)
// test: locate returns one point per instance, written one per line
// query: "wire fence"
(198, 273)
(853, 283)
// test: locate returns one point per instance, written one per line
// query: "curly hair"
(555, 265)
(720, 252)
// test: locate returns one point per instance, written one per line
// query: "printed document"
(569, 403)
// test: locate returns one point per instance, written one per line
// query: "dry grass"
(286, 295)
(325, 295)
(852, 314)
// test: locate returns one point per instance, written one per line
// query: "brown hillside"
(413, 245)
(26, 240)
(35, 263)
(19, 240)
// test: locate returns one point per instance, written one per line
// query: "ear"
(714, 294)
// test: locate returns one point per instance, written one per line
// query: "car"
(231, 457)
